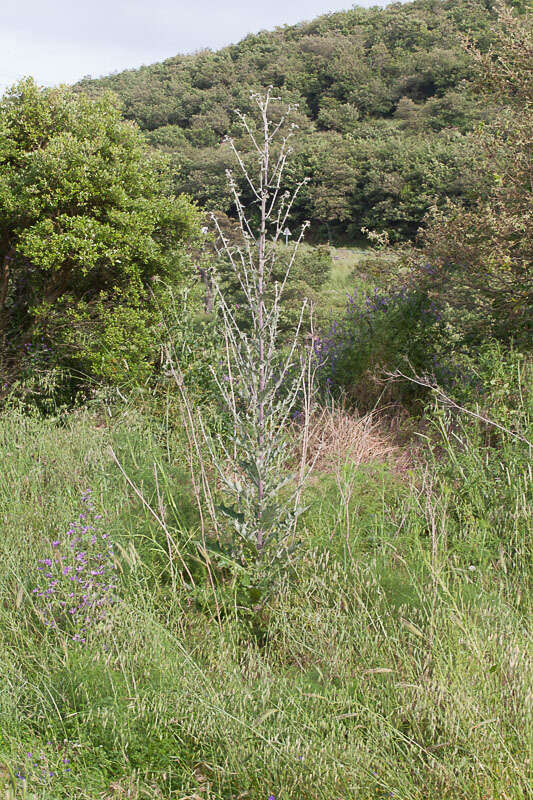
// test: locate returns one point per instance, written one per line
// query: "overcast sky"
(60, 41)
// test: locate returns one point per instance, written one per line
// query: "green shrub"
(87, 220)
(380, 332)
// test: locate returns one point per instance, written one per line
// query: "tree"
(334, 178)
(87, 219)
(481, 255)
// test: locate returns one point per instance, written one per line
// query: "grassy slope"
(341, 281)
(385, 667)
(355, 270)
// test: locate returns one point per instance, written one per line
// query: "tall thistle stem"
(261, 310)
(264, 379)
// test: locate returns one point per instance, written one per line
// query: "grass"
(355, 269)
(386, 664)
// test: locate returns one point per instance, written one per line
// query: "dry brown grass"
(339, 437)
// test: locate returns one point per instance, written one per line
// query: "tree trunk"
(4, 285)
(209, 301)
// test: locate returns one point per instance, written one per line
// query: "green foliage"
(310, 270)
(379, 332)
(481, 253)
(123, 350)
(192, 340)
(382, 177)
(384, 105)
(87, 220)
(383, 656)
(400, 177)
(485, 464)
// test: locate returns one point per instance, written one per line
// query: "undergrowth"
(390, 661)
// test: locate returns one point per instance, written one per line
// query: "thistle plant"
(261, 380)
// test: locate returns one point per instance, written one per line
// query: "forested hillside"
(384, 100)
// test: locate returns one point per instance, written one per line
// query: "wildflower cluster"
(37, 349)
(38, 770)
(76, 586)
(381, 324)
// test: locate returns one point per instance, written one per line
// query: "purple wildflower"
(72, 577)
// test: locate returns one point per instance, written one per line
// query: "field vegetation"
(265, 495)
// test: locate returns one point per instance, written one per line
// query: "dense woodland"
(265, 494)
(385, 106)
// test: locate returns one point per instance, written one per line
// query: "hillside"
(384, 103)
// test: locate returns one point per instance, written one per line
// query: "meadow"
(392, 658)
